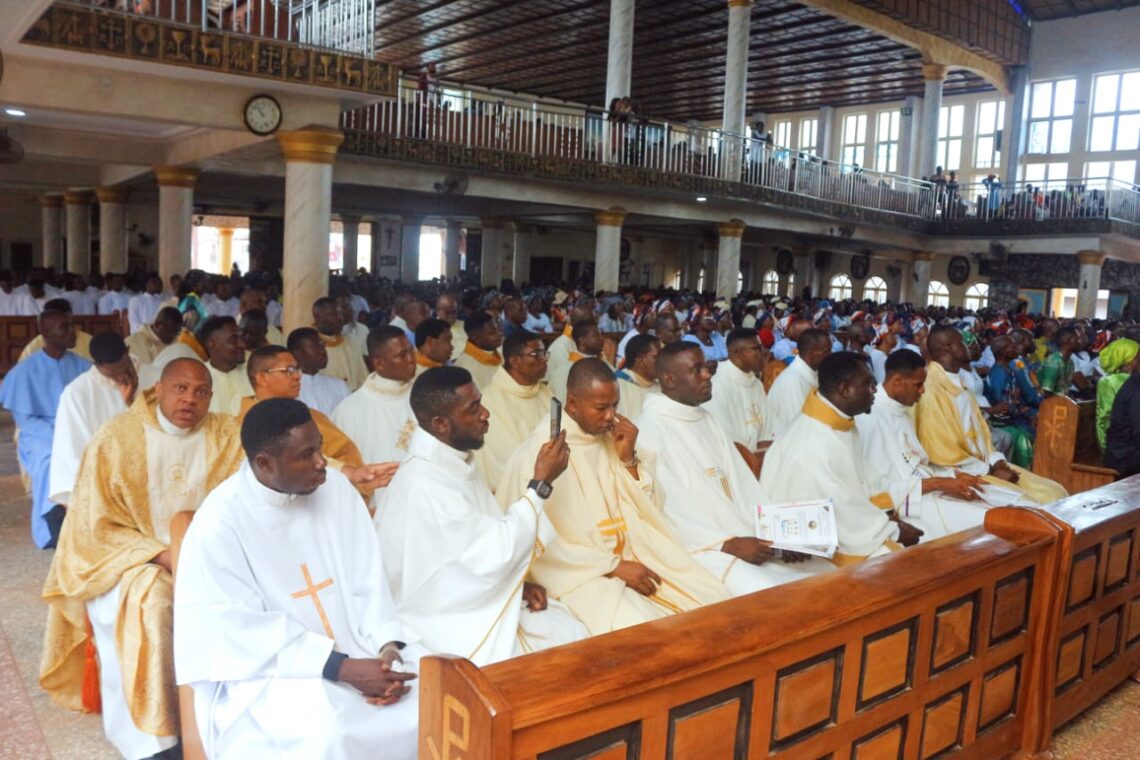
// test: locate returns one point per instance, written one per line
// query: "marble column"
(452, 236)
(805, 269)
(736, 85)
(520, 260)
(728, 257)
(825, 133)
(112, 229)
(935, 75)
(351, 230)
(78, 231)
(894, 279)
(920, 293)
(491, 266)
(619, 63)
(175, 218)
(225, 250)
(410, 229)
(907, 121)
(1088, 286)
(607, 253)
(1013, 140)
(51, 219)
(309, 156)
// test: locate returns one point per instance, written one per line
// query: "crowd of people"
(385, 483)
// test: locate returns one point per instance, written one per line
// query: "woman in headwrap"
(764, 325)
(1118, 360)
(702, 331)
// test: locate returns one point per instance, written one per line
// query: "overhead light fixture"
(17, 112)
(701, 199)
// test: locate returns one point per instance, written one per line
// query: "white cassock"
(229, 389)
(818, 458)
(86, 403)
(787, 396)
(345, 361)
(322, 392)
(458, 340)
(709, 493)
(358, 335)
(896, 463)
(515, 410)
(740, 405)
(142, 309)
(144, 345)
(463, 595)
(634, 390)
(268, 586)
(558, 353)
(378, 418)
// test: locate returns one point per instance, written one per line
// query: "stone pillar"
(78, 231)
(112, 229)
(907, 121)
(1088, 287)
(920, 294)
(728, 257)
(225, 250)
(520, 260)
(894, 280)
(805, 269)
(825, 133)
(309, 156)
(619, 62)
(452, 236)
(1013, 140)
(410, 229)
(491, 272)
(351, 230)
(51, 207)
(607, 253)
(935, 75)
(175, 218)
(736, 85)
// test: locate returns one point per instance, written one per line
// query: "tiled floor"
(33, 728)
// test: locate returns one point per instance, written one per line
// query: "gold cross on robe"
(314, 591)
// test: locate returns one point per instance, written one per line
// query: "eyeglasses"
(291, 371)
(540, 354)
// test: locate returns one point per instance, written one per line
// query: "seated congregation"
(385, 486)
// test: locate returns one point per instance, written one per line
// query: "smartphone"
(555, 417)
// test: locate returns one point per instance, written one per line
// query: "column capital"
(51, 201)
(175, 176)
(411, 221)
(739, 3)
(733, 228)
(77, 197)
(317, 145)
(226, 232)
(1094, 258)
(491, 222)
(350, 218)
(108, 194)
(611, 218)
(923, 256)
(934, 72)
(802, 251)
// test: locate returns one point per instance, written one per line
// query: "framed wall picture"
(958, 271)
(785, 262)
(860, 266)
(1037, 298)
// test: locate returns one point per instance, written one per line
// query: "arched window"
(840, 287)
(791, 285)
(739, 283)
(977, 296)
(771, 284)
(938, 295)
(875, 289)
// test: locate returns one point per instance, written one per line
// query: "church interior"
(887, 167)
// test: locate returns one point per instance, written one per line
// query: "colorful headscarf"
(1118, 353)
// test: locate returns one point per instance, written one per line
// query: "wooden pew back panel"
(17, 332)
(928, 651)
(1065, 449)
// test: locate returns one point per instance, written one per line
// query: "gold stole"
(191, 340)
(939, 425)
(489, 358)
(423, 361)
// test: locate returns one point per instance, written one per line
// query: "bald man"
(161, 456)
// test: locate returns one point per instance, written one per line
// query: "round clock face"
(262, 115)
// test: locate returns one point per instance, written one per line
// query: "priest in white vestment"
(378, 417)
(318, 391)
(90, 400)
(433, 345)
(345, 362)
(146, 343)
(225, 353)
(468, 595)
(447, 309)
(517, 399)
(710, 496)
(588, 342)
(481, 356)
(937, 500)
(819, 457)
(738, 401)
(284, 625)
(562, 346)
(792, 387)
(143, 307)
(617, 561)
(637, 380)
(113, 564)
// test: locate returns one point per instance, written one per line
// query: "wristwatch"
(542, 488)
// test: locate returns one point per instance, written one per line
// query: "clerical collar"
(575, 435)
(884, 401)
(819, 408)
(263, 493)
(662, 404)
(508, 384)
(736, 374)
(169, 427)
(427, 446)
(386, 386)
(640, 381)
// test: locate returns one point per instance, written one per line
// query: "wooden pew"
(937, 648)
(192, 748)
(1065, 449)
(17, 332)
(1097, 639)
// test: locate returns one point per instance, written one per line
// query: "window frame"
(1052, 119)
(938, 294)
(854, 153)
(949, 139)
(893, 132)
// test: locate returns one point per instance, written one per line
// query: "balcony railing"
(1094, 198)
(576, 134)
(342, 26)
